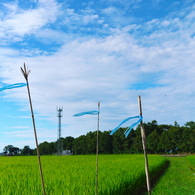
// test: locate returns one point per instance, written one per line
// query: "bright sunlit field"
(71, 175)
(179, 178)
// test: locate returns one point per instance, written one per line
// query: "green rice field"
(179, 178)
(75, 175)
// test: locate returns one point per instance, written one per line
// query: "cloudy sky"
(82, 52)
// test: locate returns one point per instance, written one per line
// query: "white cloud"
(22, 22)
(88, 69)
(48, 36)
(18, 127)
(165, 23)
(42, 133)
(89, 18)
(109, 10)
(19, 133)
(11, 7)
(73, 19)
(85, 71)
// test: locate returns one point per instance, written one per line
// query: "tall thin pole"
(60, 146)
(25, 73)
(144, 148)
(97, 149)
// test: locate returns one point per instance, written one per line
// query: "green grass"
(75, 175)
(179, 179)
(191, 159)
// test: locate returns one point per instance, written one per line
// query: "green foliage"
(153, 140)
(68, 143)
(79, 145)
(160, 139)
(11, 150)
(105, 142)
(75, 175)
(27, 150)
(47, 148)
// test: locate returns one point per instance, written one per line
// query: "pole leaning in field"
(144, 148)
(94, 112)
(97, 148)
(25, 73)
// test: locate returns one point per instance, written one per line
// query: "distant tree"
(91, 140)
(35, 151)
(118, 141)
(11, 150)
(6, 149)
(105, 142)
(162, 128)
(176, 124)
(68, 143)
(171, 139)
(153, 142)
(52, 147)
(79, 145)
(160, 139)
(150, 127)
(190, 125)
(27, 151)
(16, 150)
(187, 140)
(46, 148)
(136, 147)
(165, 143)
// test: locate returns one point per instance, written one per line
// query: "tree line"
(160, 139)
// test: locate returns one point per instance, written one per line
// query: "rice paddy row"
(71, 175)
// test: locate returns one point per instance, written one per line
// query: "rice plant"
(75, 175)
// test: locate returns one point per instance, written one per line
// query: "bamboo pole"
(97, 148)
(144, 149)
(25, 73)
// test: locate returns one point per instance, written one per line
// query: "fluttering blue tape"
(94, 112)
(129, 128)
(16, 85)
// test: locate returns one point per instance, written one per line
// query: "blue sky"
(83, 52)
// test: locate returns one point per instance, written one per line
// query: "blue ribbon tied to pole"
(128, 130)
(170, 151)
(16, 85)
(94, 112)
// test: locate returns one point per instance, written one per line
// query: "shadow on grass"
(139, 187)
(154, 178)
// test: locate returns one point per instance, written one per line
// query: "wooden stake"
(97, 150)
(25, 73)
(144, 149)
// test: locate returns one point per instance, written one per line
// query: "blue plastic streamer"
(16, 85)
(94, 112)
(130, 128)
